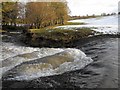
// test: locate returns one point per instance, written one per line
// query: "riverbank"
(21, 39)
(55, 37)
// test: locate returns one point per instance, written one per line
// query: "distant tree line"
(82, 17)
(90, 16)
(34, 14)
(108, 14)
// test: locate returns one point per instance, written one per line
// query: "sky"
(90, 7)
(84, 7)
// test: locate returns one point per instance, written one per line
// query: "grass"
(84, 17)
(75, 23)
(57, 37)
(58, 34)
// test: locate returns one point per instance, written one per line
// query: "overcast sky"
(83, 7)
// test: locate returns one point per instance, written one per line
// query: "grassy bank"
(75, 23)
(56, 37)
(83, 17)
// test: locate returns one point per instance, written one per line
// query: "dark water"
(101, 73)
(104, 52)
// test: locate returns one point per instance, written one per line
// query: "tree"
(42, 14)
(61, 11)
(9, 13)
(34, 14)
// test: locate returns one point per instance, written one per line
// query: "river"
(92, 64)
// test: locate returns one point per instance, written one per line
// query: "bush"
(13, 28)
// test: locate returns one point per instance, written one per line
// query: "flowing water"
(20, 62)
(99, 57)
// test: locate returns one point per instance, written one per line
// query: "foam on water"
(13, 55)
(42, 62)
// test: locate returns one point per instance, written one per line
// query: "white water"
(104, 25)
(15, 56)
